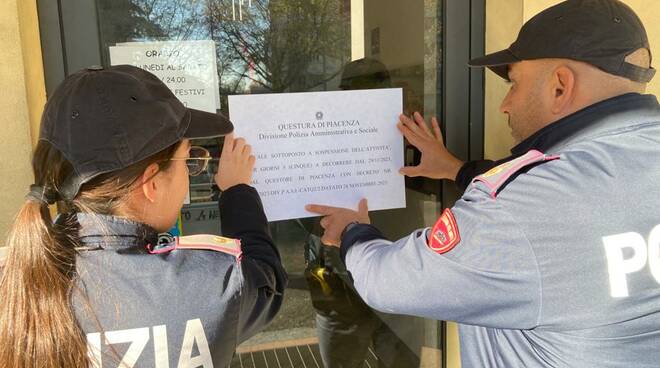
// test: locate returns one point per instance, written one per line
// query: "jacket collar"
(100, 231)
(617, 112)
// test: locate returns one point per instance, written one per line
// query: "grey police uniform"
(184, 308)
(555, 264)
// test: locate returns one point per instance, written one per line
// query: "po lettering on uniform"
(628, 253)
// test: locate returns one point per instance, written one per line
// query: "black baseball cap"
(599, 32)
(365, 73)
(106, 119)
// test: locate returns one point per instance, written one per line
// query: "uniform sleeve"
(264, 279)
(490, 278)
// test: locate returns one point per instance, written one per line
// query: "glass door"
(277, 46)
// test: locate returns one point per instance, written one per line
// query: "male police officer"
(551, 259)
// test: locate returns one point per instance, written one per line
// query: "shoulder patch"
(203, 242)
(444, 234)
(497, 176)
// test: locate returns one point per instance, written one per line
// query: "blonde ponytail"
(37, 324)
(38, 327)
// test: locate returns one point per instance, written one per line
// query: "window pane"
(297, 46)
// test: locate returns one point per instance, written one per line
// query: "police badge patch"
(444, 234)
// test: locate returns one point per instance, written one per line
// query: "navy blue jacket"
(184, 308)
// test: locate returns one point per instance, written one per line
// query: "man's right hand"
(336, 219)
(437, 162)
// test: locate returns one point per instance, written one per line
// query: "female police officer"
(93, 288)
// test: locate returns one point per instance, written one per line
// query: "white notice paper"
(331, 148)
(188, 68)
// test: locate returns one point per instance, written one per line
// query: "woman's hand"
(236, 163)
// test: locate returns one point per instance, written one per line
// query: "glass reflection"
(296, 46)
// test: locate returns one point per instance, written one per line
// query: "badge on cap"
(444, 235)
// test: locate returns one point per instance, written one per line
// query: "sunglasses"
(198, 160)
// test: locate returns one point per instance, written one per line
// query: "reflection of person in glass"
(93, 288)
(346, 325)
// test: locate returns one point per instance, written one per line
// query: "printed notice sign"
(188, 67)
(331, 148)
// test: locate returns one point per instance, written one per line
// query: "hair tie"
(38, 193)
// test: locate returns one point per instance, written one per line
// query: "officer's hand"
(336, 219)
(437, 162)
(236, 163)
